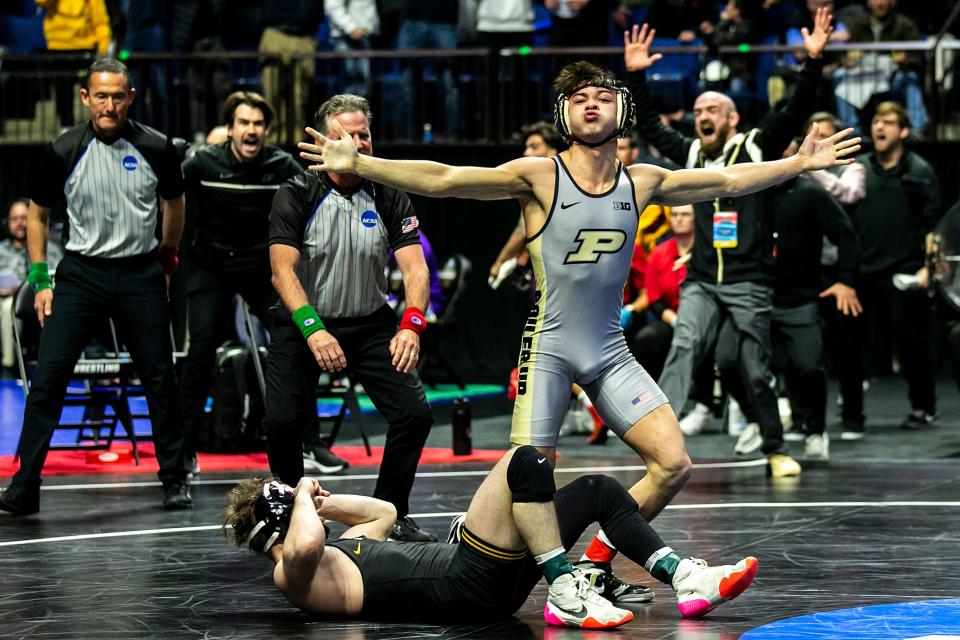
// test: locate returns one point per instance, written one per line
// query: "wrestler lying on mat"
(517, 529)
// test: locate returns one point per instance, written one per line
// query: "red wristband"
(413, 319)
(169, 259)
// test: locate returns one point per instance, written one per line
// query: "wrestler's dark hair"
(239, 514)
(577, 74)
(342, 103)
(895, 108)
(252, 100)
(546, 131)
(106, 65)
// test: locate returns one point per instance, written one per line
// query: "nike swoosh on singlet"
(357, 550)
(564, 205)
(541, 460)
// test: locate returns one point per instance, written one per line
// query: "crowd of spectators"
(290, 33)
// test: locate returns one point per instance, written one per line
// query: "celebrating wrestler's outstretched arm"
(338, 154)
(695, 185)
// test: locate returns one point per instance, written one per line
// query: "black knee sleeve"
(610, 500)
(530, 476)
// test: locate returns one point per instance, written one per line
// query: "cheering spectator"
(901, 204)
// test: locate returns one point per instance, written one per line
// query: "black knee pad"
(530, 476)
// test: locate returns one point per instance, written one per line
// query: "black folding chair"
(453, 281)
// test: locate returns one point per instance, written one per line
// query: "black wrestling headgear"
(626, 112)
(272, 511)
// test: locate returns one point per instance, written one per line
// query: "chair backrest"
(453, 282)
(26, 325)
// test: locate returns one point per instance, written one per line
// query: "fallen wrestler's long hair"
(239, 514)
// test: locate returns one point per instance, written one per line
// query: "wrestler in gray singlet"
(581, 259)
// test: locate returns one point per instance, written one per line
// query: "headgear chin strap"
(626, 113)
(272, 511)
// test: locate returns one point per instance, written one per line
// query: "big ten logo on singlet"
(368, 219)
(129, 163)
(526, 344)
(592, 243)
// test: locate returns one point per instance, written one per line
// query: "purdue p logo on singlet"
(595, 242)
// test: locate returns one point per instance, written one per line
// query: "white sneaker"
(736, 422)
(794, 435)
(701, 588)
(572, 601)
(577, 420)
(750, 440)
(786, 412)
(319, 458)
(695, 421)
(817, 447)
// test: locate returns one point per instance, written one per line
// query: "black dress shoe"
(176, 496)
(406, 530)
(20, 501)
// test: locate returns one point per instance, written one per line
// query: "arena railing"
(460, 95)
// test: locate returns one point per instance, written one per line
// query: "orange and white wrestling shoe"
(701, 588)
(572, 601)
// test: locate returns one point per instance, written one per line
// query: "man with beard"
(731, 266)
(13, 271)
(230, 186)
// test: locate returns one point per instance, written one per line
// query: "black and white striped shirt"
(343, 240)
(111, 188)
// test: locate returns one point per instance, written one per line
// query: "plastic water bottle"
(428, 132)
(462, 439)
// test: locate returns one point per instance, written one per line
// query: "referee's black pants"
(292, 374)
(133, 292)
(210, 293)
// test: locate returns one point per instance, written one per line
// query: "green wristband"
(307, 321)
(39, 276)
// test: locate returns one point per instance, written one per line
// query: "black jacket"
(228, 202)
(752, 259)
(805, 213)
(901, 206)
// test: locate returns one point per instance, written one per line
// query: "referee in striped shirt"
(114, 175)
(329, 237)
